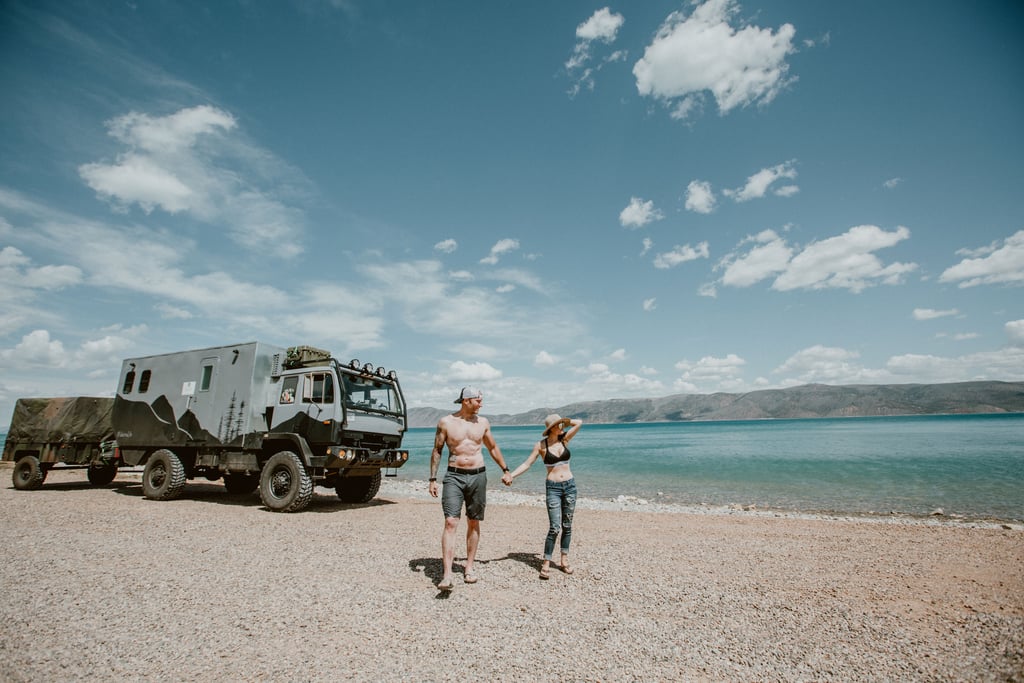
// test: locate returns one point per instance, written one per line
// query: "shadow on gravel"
(531, 560)
(433, 569)
(214, 492)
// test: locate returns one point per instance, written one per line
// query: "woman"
(560, 486)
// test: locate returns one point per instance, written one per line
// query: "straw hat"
(552, 420)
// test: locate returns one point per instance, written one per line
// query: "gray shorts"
(468, 489)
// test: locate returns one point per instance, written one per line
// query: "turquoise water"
(969, 465)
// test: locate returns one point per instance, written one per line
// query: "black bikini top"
(551, 460)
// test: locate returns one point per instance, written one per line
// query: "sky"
(551, 201)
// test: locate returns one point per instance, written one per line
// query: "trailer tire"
(241, 484)
(28, 474)
(164, 476)
(358, 489)
(285, 486)
(101, 475)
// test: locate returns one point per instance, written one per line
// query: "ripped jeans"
(561, 501)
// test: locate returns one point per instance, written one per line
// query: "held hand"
(506, 479)
(433, 489)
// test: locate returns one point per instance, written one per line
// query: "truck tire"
(285, 486)
(28, 475)
(358, 489)
(241, 484)
(164, 476)
(101, 475)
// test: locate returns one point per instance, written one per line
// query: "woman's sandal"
(544, 574)
(566, 568)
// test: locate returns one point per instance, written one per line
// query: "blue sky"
(553, 201)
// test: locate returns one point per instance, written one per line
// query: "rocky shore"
(101, 584)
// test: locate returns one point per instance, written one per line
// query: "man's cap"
(469, 392)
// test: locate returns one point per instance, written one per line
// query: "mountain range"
(806, 401)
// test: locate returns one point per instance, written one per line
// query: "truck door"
(305, 403)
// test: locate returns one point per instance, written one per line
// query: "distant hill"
(807, 401)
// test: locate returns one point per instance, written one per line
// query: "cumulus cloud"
(700, 198)
(758, 184)
(650, 304)
(769, 255)
(21, 277)
(446, 246)
(998, 263)
(500, 247)
(647, 244)
(543, 359)
(1015, 331)
(681, 254)
(639, 213)
(703, 52)
(36, 349)
(931, 313)
(891, 183)
(711, 369)
(602, 27)
(193, 162)
(473, 372)
(845, 261)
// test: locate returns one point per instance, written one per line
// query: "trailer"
(282, 420)
(74, 432)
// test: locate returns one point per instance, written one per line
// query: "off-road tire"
(28, 474)
(164, 476)
(101, 475)
(358, 489)
(241, 484)
(285, 486)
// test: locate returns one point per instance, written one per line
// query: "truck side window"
(318, 388)
(144, 381)
(129, 382)
(204, 383)
(288, 389)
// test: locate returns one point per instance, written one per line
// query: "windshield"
(370, 393)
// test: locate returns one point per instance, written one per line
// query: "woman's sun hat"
(552, 420)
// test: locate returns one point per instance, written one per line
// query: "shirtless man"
(465, 482)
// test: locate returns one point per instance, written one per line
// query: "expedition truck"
(255, 415)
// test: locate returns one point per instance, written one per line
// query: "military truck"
(255, 415)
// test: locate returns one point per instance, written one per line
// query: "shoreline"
(416, 489)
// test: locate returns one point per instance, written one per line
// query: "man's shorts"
(468, 489)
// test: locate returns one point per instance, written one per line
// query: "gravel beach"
(101, 584)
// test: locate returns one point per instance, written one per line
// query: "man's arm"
(440, 439)
(492, 448)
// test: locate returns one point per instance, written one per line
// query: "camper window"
(144, 381)
(204, 384)
(129, 382)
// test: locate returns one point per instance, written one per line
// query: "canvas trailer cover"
(62, 429)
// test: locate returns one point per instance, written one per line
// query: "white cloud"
(931, 313)
(639, 213)
(995, 264)
(891, 183)
(827, 365)
(446, 246)
(1015, 331)
(505, 289)
(647, 244)
(770, 256)
(193, 162)
(20, 277)
(602, 26)
(36, 349)
(473, 372)
(711, 369)
(617, 355)
(699, 197)
(543, 359)
(650, 304)
(758, 184)
(502, 246)
(846, 261)
(703, 52)
(681, 254)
